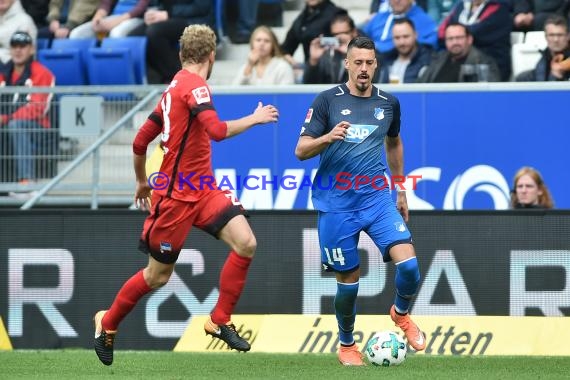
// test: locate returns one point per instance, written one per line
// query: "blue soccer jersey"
(351, 173)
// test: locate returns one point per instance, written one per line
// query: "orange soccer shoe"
(350, 356)
(416, 337)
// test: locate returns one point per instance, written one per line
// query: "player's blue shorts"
(339, 233)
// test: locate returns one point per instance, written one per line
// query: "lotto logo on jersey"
(357, 133)
(309, 115)
(201, 94)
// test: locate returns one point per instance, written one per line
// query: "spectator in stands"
(490, 24)
(326, 62)
(529, 190)
(113, 18)
(38, 11)
(439, 9)
(554, 65)
(379, 28)
(461, 61)
(313, 21)
(13, 18)
(65, 15)
(379, 6)
(246, 20)
(25, 116)
(436, 9)
(265, 64)
(408, 59)
(530, 15)
(163, 27)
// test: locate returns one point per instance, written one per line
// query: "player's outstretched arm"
(308, 146)
(261, 115)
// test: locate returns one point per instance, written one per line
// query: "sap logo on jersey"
(357, 133)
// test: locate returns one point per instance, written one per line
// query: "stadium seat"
(517, 38)
(524, 57)
(66, 58)
(66, 65)
(536, 38)
(42, 43)
(106, 66)
(82, 44)
(137, 47)
(111, 66)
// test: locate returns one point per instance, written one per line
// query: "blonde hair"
(544, 199)
(196, 43)
(275, 50)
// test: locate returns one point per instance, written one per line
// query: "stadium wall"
(58, 267)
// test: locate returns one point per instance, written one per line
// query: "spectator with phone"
(313, 21)
(327, 54)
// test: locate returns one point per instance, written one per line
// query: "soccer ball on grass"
(386, 348)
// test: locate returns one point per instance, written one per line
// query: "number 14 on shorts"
(336, 256)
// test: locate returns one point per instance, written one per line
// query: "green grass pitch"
(140, 365)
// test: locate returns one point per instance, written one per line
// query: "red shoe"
(416, 337)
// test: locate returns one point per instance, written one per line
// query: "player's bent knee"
(246, 247)
(157, 274)
(157, 280)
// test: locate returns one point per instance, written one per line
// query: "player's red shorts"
(170, 220)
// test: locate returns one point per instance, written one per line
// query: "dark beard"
(362, 87)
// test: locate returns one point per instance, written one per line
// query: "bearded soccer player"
(348, 126)
(188, 121)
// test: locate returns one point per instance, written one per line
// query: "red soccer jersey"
(188, 122)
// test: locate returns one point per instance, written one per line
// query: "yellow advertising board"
(5, 343)
(445, 335)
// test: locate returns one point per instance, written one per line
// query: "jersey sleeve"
(148, 132)
(199, 101)
(396, 119)
(316, 120)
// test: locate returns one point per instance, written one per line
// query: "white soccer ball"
(386, 348)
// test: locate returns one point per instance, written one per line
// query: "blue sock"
(407, 282)
(345, 307)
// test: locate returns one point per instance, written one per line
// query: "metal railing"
(78, 171)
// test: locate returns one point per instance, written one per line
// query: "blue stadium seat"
(66, 58)
(137, 47)
(66, 65)
(42, 43)
(83, 44)
(111, 66)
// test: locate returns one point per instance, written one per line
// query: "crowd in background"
(417, 41)
(430, 40)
